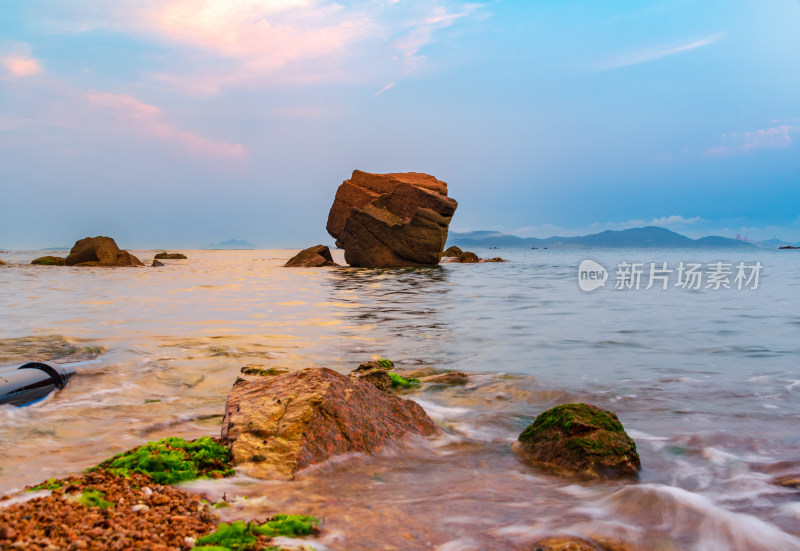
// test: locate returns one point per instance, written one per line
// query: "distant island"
(231, 244)
(647, 237)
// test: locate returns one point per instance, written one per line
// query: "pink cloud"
(16, 61)
(778, 137)
(148, 120)
(264, 43)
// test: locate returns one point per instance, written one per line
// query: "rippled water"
(706, 382)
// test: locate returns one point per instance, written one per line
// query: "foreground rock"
(170, 256)
(48, 261)
(391, 220)
(312, 257)
(99, 251)
(2, 263)
(579, 440)
(276, 426)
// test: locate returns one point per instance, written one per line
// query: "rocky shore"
(276, 424)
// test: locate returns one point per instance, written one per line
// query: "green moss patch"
(51, 484)
(242, 536)
(582, 439)
(401, 382)
(94, 498)
(385, 362)
(174, 460)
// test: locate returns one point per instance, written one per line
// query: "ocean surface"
(706, 381)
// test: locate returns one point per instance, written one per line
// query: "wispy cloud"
(777, 137)
(658, 52)
(220, 44)
(17, 62)
(384, 89)
(148, 120)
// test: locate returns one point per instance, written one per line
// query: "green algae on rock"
(399, 381)
(262, 371)
(242, 536)
(173, 460)
(582, 440)
(94, 498)
(48, 261)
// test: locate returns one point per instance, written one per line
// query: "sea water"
(705, 380)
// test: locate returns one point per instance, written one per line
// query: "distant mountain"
(650, 236)
(231, 244)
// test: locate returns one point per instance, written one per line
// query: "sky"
(179, 123)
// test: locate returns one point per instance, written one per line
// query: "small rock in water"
(170, 256)
(313, 257)
(579, 440)
(451, 378)
(467, 258)
(156, 263)
(48, 261)
(99, 251)
(453, 252)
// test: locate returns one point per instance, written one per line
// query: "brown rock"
(170, 256)
(451, 378)
(156, 263)
(467, 258)
(565, 544)
(788, 481)
(312, 257)
(494, 259)
(453, 251)
(579, 440)
(276, 426)
(2, 263)
(571, 543)
(378, 377)
(48, 261)
(99, 251)
(388, 220)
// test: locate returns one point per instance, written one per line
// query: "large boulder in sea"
(391, 220)
(99, 251)
(276, 426)
(579, 440)
(312, 257)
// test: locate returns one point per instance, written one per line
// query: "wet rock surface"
(169, 256)
(391, 220)
(48, 261)
(579, 440)
(468, 257)
(99, 251)
(453, 251)
(312, 257)
(276, 426)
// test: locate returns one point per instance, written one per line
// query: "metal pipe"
(34, 381)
